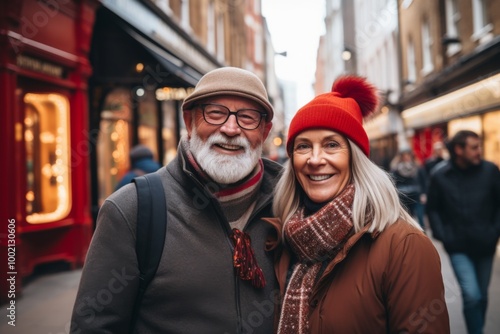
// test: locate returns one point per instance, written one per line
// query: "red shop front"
(44, 70)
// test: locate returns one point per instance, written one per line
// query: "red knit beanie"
(342, 110)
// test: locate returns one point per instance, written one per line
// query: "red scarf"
(314, 239)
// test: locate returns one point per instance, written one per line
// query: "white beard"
(223, 168)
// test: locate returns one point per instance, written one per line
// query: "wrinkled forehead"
(233, 102)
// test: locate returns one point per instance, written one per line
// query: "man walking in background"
(463, 207)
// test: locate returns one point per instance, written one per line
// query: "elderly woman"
(353, 260)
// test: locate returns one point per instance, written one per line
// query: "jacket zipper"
(224, 224)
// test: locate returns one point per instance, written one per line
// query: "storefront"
(44, 71)
(475, 107)
(144, 65)
(82, 82)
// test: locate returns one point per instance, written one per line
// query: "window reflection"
(147, 130)
(46, 137)
(113, 142)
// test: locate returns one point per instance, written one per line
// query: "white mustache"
(219, 139)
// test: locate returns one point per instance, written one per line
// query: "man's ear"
(267, 129)
(187, 115)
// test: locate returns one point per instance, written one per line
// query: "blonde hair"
(376, 199)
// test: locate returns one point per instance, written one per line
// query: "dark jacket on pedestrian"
(191, 268)
(140, 167)
(408, 180)
(463, 207)
(141, 162)
(371, 271)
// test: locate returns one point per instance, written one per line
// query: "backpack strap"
(151, 232)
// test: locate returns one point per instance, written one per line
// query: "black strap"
(151, 232)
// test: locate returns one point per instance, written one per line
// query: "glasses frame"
(235, 113)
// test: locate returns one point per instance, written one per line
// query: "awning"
(474, 98)
(171, 63)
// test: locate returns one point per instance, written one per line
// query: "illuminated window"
(48, 196)
(114, 141)
(491, 128)
(169, 130)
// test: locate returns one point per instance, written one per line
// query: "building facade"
(435, 63)
(377, 58)
(450, 71)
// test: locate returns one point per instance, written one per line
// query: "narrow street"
(47, 301)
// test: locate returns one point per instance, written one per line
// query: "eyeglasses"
(216, 114)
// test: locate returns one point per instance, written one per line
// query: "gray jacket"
(195, 289)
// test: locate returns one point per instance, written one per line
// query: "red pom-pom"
(358, 89)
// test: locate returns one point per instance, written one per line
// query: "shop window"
(147, 130)
(47, 140)
(113, 142)
(491, 128)
(169, 130)
(472, 123)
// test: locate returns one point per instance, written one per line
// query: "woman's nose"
(316, 156)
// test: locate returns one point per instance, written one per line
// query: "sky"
(295, 27)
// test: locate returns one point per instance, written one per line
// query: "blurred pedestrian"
(439, 154)
(408, 178)
(141, 162)
(215, 274)
(463, 207)
(437, 159)
(353, 260)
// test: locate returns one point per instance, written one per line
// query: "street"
(46, 304)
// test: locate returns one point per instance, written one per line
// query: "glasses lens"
(248, 118)
(215, 114)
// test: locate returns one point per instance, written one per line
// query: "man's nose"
(231, 127)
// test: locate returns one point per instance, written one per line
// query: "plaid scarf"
(313, 239)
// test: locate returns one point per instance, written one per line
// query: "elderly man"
(215, 275)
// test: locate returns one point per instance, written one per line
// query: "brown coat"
(387, 282)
